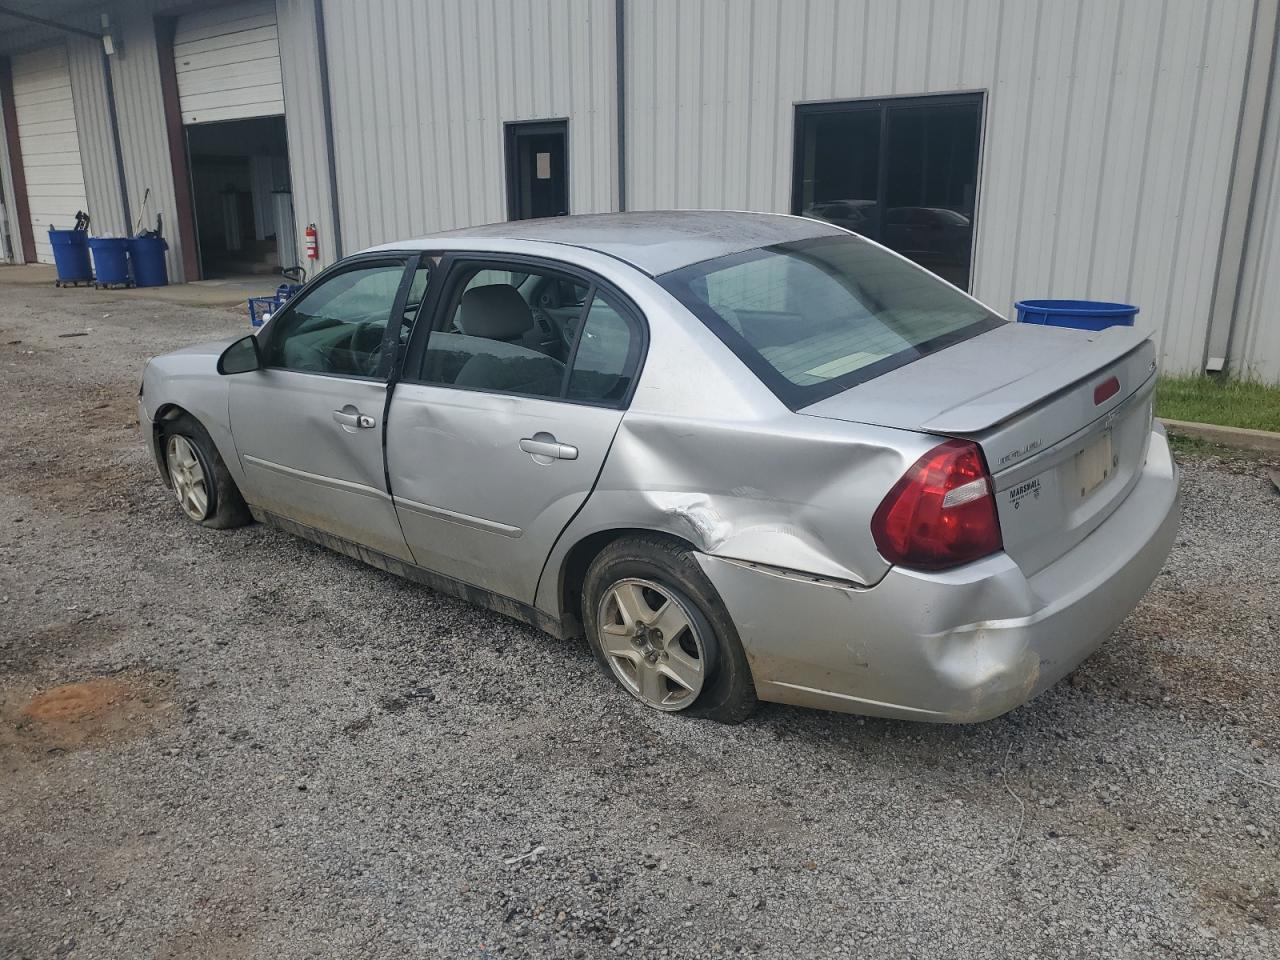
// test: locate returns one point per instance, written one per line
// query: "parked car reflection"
(860, 216)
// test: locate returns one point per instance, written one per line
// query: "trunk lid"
(1064, 449)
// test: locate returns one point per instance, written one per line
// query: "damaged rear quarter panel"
(788, 491)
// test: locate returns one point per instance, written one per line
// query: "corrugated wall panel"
(97, 152)
(420, 94)
(143, 141)
(1255, 341)
(304, 124)
(1108, 135)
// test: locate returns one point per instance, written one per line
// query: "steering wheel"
(364, 347)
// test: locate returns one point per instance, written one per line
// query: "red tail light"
(942, 513)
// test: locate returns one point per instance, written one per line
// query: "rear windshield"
(814, 317)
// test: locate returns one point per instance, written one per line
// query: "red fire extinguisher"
(313, 247)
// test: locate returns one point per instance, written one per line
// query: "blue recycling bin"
(71, 256)
(1078, 314)
(110, 260)
(149, 267)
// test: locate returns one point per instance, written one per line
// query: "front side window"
(339, 326)
(814, 317)
(539, 334)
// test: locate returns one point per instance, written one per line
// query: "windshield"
(815, 317)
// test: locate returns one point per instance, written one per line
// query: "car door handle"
(549, 448)
(356, 419)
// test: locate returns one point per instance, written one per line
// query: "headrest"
(496, 311)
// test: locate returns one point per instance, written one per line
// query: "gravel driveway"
(223, 745)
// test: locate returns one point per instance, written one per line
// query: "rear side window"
(605, 359)
(535, 333)
(815, 317)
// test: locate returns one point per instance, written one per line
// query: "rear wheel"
(200, 480)
(657, 626)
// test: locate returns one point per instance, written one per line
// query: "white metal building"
(1104, 149)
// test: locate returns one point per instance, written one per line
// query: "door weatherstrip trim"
(346, 486)
(525, 613)
(462, 519)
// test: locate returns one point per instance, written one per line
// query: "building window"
(903, 172)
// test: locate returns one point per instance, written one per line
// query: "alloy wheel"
(189, 484)
(652, 644)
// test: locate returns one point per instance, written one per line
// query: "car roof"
(654, 241)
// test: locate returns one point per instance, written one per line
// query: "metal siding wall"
(421, 91)
(1255, 341)
(304, 123)
(140, 109)
(97, 152)
(1109, 127)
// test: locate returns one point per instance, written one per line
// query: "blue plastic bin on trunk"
(110, 260)
(1080, 314)
(71, 255)
(149, 267)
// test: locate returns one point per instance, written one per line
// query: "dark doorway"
(537, 169)
(903, 172)
(241, 195)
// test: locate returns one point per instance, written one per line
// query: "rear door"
(500, 427)
(308, 426)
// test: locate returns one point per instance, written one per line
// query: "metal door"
(310, 440)
(485, 482)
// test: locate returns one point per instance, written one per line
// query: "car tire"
(644, 574)
(199, 478)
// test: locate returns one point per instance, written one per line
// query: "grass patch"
(1226, 402)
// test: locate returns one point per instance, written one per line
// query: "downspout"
(326, 107)
(1242, 189)
(620, 69)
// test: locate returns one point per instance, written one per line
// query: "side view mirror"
(242, 356)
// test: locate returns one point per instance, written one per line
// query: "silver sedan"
(746, 456)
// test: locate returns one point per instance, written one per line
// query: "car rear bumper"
(956, 647)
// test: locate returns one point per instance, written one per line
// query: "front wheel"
(657, 626)
(200, 480)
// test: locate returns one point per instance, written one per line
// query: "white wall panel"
(93, 126)
(143, 139)
(304, 124)
(421, 91)
(1108, 135)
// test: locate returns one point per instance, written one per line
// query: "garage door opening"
(903, 172)
(241, 197)
(49, 144)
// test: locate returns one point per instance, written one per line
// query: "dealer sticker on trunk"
(1094, 464)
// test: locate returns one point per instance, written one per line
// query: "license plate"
(1094, 464)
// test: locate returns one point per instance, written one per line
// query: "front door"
(497, 433)
(308, 425)
(537, 169)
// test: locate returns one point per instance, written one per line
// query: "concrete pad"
(226, 292)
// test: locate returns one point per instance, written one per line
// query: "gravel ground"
(268, 750)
